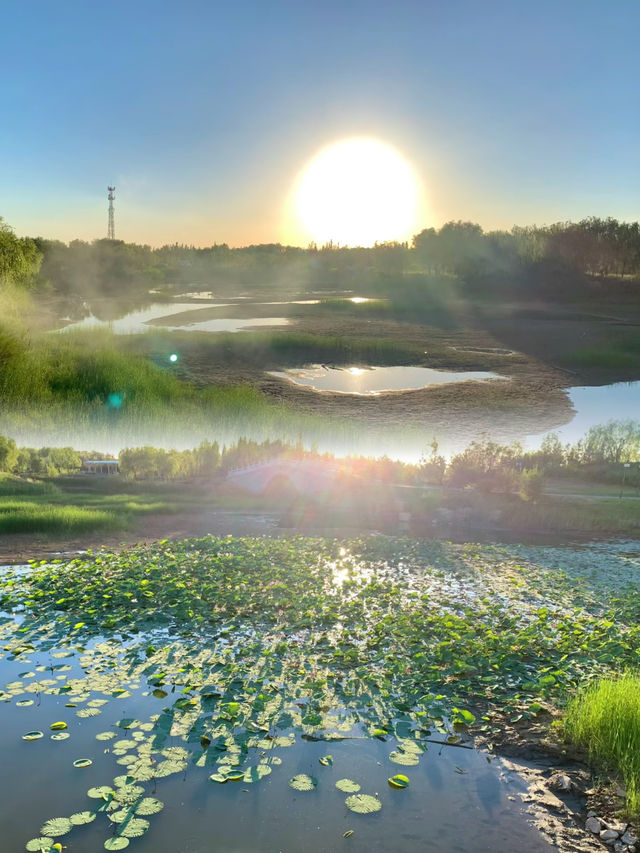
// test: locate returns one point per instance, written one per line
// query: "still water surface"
(458, 799)
(377, 380)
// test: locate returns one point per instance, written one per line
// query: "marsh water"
(192, 312)
(596, 405)
(137, 322)
(458, 800)
(377, 380)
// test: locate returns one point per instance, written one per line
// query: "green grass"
(27, 507)
(26, 517)
(604, 718)
(11, 486)
(619, 353)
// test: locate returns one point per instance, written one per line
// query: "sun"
(356, 192)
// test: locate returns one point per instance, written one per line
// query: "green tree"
(20, 257)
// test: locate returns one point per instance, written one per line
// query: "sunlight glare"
(357, 192)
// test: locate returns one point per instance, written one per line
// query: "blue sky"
(203, 113)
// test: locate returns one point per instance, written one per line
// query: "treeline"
(601, 456)
(45, 462)
(593, 246)
(606, 454)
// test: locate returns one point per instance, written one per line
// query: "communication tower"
(111, 228)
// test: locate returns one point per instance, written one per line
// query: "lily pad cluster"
(244, 647)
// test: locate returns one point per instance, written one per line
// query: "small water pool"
(595, 405)
(376, 380)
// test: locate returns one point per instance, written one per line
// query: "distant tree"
(8, 454)
(486, 465)
(615, 441)
(20, 257)
(432, 467)
(532, 484)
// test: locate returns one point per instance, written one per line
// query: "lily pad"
(82, 818)
(134, 828)
(116, 843)
(363, 803)
(60, 736)
(58, 727)
(149, 806)
(348, 786)
(303, 782)
(32, 735)
(409, 759)
(38, 844)
(101, 792)
(56, 826)
(80, 763)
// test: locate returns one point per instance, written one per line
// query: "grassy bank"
(604, 719)
(71, 506)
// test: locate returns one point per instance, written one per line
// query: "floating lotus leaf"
(128, 794)
(101, 792)
(363, 803)
(254, 774)
(56, 826)
(134, 828)
(38, 844)
(326, 760)
(407, 758)
(119, 815)
(348, 786)
(59, 726)
(219, 777)
(32, 735)
(24, 703)
(398, 781)
(116, 843)
(60, 736)
(81, 763)
(167, 768)
(303, 782)
(149, 806)
(80, 818)
(124, 744)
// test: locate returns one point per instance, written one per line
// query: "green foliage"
(604, 718)
(532, 484)
(20, 258)
(486, 465)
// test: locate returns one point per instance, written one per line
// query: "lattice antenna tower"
(111, 228)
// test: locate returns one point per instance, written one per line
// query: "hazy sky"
(202, 113)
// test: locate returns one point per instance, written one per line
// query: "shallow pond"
(377, 380)
(137, 322)
(596, 405)
(106, 693)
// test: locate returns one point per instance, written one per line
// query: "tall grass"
(24, 517)
(11, 486)
(604, 718)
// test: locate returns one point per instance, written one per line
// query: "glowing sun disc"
(357, 192)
